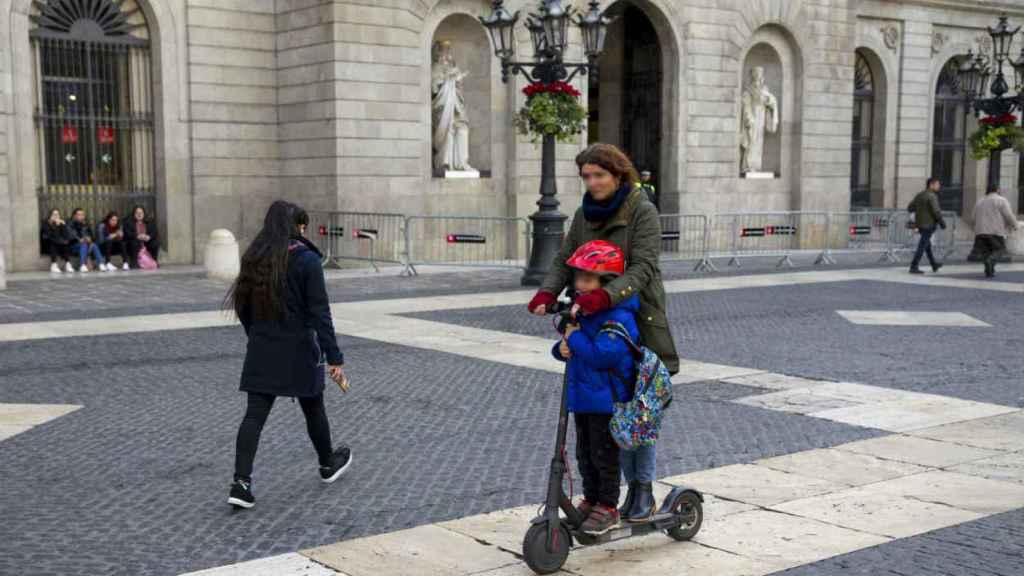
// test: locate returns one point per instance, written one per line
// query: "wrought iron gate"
(93, 107)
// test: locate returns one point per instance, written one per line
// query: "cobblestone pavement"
(795, 330)
(992, 546)
(134, 482)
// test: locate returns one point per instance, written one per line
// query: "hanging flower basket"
(551, 109)
(996, 133)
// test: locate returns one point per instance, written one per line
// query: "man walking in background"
(993, 221)
(927, 215)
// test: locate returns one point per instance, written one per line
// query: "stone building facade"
(216, 107)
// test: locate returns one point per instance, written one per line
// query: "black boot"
(630, 497)
(643, 503)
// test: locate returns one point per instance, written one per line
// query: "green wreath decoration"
(551, 109)
(996, 133)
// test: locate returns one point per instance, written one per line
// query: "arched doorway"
(949, 140)
(864, 108)
(625, 99)
(93, 106)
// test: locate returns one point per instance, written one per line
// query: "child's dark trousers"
(598, 458)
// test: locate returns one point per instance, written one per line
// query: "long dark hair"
(261, 280)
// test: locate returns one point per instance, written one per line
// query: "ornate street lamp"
(974, 75)
(549, 34)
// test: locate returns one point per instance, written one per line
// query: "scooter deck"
(657, 523)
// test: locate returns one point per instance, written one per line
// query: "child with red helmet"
(600, 371)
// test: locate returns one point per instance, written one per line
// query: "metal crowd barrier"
(684, 237)
(768, 234)
(905, 236)
(486, 242)
(863, 232)
(358, 236)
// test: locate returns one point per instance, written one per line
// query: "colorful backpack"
(636, 423)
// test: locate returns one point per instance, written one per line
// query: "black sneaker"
(241, 494)
(342, 460)
(916, 271)
(936, 267)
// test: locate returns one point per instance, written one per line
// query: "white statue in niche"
(451, 120)
(760, 114)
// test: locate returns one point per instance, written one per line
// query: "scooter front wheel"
(692, 511)
(535, 548)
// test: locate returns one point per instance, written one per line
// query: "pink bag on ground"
(146, 261)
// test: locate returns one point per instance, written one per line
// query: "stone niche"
(773, 49)
(471, 49)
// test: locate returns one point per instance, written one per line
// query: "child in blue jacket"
(601, 371)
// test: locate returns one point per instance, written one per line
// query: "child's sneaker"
(83, 269)
(601, 519)
(55, 268)
(125, 267)
(68, 268)
(241, 494)
(584, 508)
(342, 460)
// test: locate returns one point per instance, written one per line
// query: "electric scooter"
(547, 542)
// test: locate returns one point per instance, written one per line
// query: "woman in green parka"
(614, 209)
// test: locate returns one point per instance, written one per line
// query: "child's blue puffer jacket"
(592, 387)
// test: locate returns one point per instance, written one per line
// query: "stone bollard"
(222, 261)
(1015, 242)
(3, 272)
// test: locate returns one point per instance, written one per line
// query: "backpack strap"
(612, 327)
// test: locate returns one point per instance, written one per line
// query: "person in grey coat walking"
(927, 216)
(993, 222)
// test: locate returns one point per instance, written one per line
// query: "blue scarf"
(596, 212)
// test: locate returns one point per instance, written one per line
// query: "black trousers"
(598, 459)
(62, 251)
(256, 416)
(115, 248)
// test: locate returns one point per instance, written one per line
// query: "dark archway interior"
(625, 98)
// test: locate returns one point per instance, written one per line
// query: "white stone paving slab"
(912, 413)
(691, 371)
(914, 450)
(1006, 467)
(423, 551)
(7, 431)
(785, 541)
(755, 485)
(911, 318)
(292, 564)
(503, 528)
(962, 491)
(796, 400)
(656, 554)
(875, 510)
(773, 381)
(33, 414)
(841, 467)
(997, 433)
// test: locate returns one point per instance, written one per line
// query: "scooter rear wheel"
(690, 508)
(535, 548)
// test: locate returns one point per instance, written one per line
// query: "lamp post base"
(548, 233)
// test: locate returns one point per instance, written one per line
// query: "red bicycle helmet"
(600, 257)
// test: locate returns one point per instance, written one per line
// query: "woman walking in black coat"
(281, 299)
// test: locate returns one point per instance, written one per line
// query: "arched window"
(863, 133)
(949, 141)
(93, 106)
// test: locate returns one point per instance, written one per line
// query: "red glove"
(594, 302)
(542, 298)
